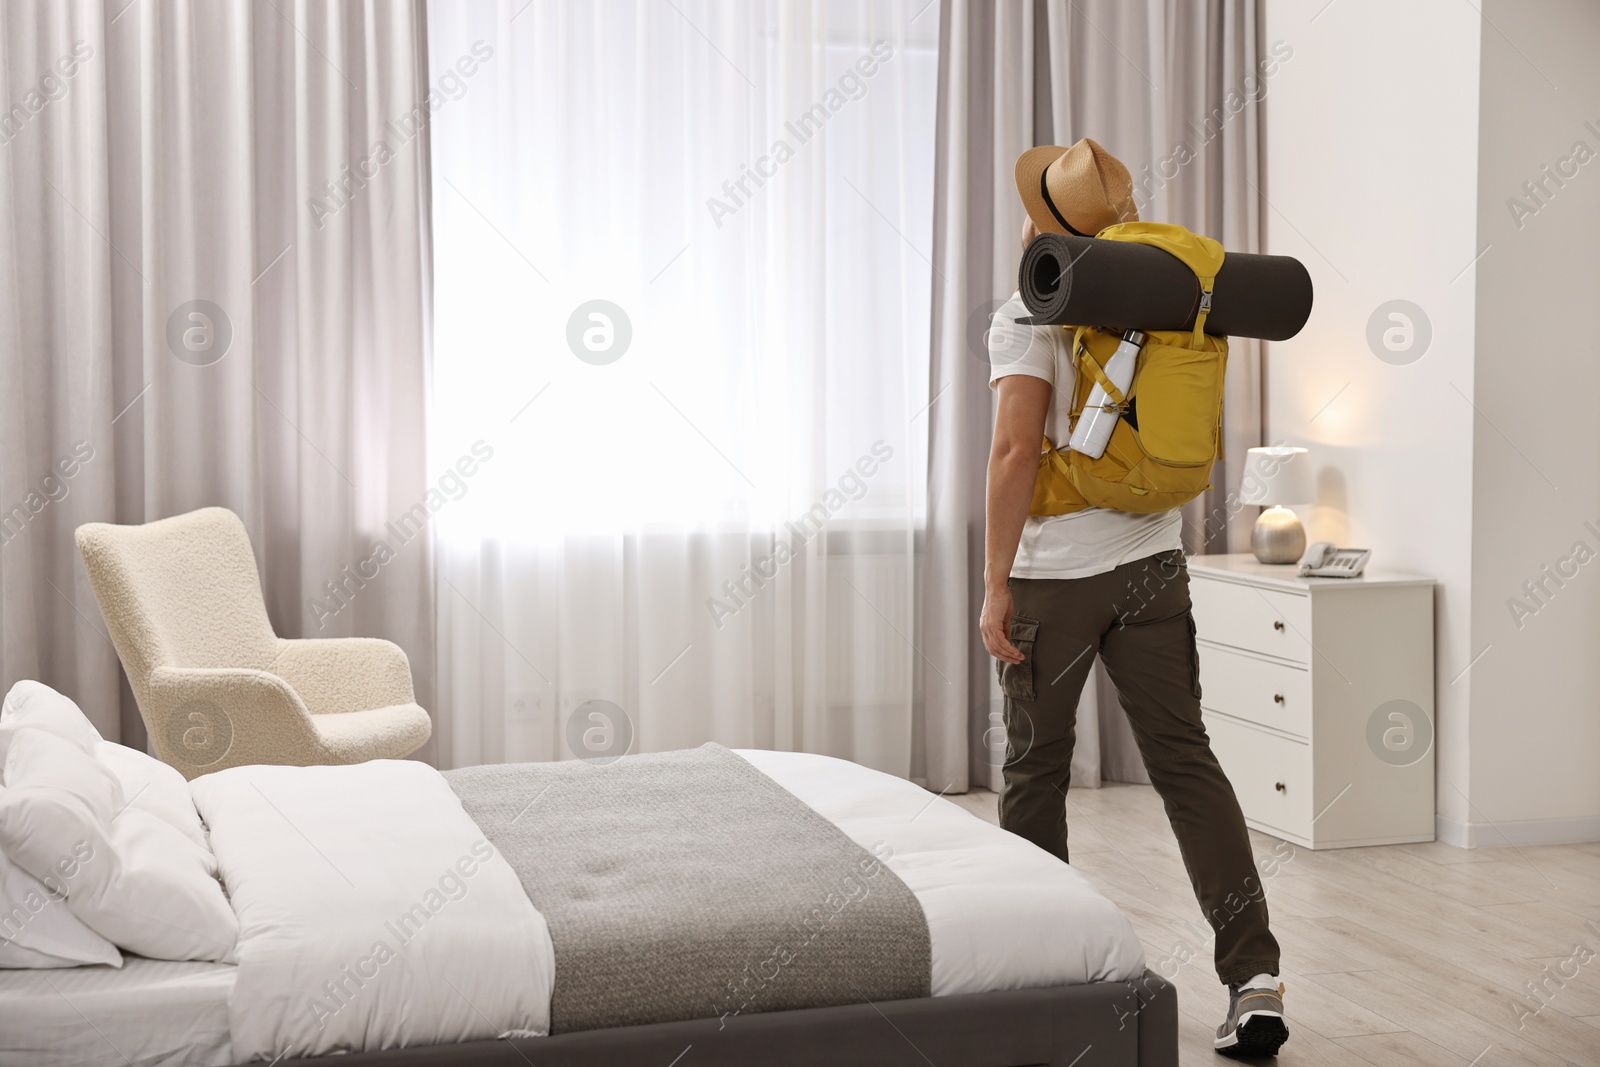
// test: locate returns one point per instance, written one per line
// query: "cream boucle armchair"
(216, 687)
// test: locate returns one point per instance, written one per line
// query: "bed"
(176, 1013)
(1009, 957)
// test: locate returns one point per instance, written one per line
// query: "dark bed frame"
(1103, 1024)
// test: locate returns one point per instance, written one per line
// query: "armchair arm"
(204, 719)
(336, 674)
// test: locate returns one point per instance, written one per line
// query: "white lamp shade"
(1277, 474)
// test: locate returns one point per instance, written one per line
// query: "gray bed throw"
(687, 885)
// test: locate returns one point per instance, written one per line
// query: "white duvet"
(1002, 913)
(374, 914)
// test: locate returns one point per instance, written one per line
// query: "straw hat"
(1081, 190)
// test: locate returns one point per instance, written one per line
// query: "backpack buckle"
(1205, 301)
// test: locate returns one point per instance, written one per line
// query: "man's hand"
(995, 625)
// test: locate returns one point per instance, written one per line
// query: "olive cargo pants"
(1137, 618)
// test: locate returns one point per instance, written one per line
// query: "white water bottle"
(1093, 431)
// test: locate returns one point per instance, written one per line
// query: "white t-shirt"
(1080, 543)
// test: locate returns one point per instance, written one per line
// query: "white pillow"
(42, 757)
(145, 782)
(38, 930)
(152, 786)
(36, 704)
(140, 882)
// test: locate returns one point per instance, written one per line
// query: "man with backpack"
(1068, 582)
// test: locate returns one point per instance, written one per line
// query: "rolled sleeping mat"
(1083, 281)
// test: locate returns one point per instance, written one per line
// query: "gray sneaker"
(1254, 1026)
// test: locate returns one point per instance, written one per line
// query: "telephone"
(1323, 560)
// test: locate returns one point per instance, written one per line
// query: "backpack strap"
(1082, 362)
(1115, 400)
(1205, 309)
(1073, 408)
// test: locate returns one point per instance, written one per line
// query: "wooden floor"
(1392, 955)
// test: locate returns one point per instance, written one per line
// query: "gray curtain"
(213, 290)
(1172, 89)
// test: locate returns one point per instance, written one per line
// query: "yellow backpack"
(1169, 433)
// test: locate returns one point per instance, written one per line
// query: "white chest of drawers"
(1318, 697)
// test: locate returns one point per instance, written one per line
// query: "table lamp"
(1275, 476)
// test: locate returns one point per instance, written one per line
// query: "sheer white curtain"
(682, 306)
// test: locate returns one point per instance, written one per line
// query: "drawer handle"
(1279, 787)
(1277, 624)
(1277, 698)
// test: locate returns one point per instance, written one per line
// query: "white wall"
(1536, 460)
(1371, 146)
